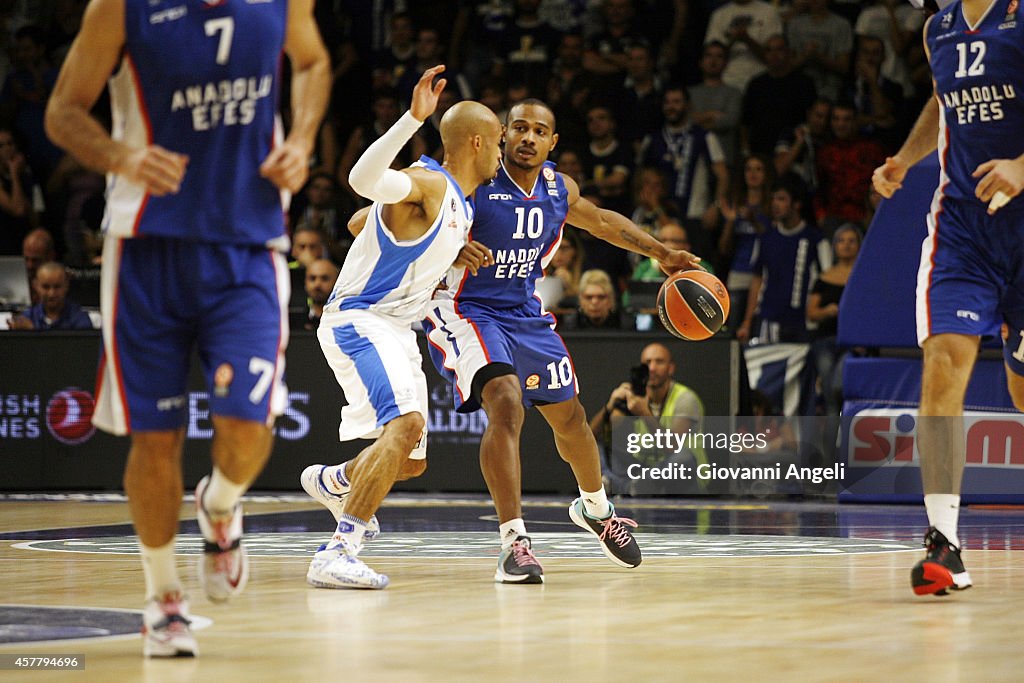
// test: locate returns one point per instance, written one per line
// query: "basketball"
(693, 304)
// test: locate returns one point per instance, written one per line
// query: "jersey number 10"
(533, 222)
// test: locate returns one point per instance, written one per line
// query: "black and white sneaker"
(516, 564)
(617, 540)
(941, 568)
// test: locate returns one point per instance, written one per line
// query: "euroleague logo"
(69, 416)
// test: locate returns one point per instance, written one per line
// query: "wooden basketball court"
(728, 591)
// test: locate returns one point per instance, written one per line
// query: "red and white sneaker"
(941, 569)
(166, 628)
(224, 564)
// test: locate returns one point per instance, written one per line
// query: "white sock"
(944, 513)
(511, 530)
(159, 569)
(596, 503)
(350, 531)
(221, 494)
(335, 480)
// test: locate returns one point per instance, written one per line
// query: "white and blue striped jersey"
(202, 79)
(394, 278)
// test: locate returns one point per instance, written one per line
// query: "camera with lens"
(638, 376)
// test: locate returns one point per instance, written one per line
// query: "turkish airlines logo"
(69, 415)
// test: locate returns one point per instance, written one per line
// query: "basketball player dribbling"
(491, 337)
(972, 261)
(198, 170)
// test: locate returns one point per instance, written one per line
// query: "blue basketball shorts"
(464, 338)
(971, 276)
(163, 300)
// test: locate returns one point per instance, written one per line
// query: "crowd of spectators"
(685, 115)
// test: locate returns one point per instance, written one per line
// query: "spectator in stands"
(796, 151)
(823, 311)
(566, 266)
(76, 194)
(659, 402)
(898, 25)
(526, 49)
(715, 106)
(386, 110)
(319, 282)
(743, 216)
(822, 43)
(569, 162)
(24, 96)
(37, 248)
(787, 258)
(606, 53)
(429, 52)
(391, 63)
(598, 309)
(16, 214)
(308, 245)
(321, 215)
(673, 236)
(569, 86)
(777, 100)
(691, 159)
(654, 207)
(607, 162)
(639, 96)
(845, 165)
(744, 26)
(877, 98)
(54, 311)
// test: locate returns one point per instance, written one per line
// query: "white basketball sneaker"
(224, 564)
(166, 628)
(313, 484)
(338, 567)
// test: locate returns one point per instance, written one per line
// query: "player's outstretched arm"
(371, 176)
(616, 229)
(287, 165)
(93, 56)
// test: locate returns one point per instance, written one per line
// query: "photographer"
(658, 401)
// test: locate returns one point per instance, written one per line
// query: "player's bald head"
(464, 120)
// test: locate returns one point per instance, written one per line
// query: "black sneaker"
(617, 540)
(516, 564)
(940, 569)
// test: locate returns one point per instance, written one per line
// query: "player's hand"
(158, 170)
(888, 177)
(677, 260)
(426, 94)
(999, 175)
(287, 166)
(474, 256)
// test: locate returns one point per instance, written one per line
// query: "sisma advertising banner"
(47, 441)
(881, 438)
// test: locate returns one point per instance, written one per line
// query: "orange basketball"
(693, 304)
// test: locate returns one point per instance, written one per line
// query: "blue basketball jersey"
(977, 71)
(523, 229)
(201, 79)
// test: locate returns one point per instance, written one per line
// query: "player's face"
(530, 136)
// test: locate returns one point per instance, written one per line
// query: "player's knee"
(503, 402)
(1015, 384)
(412, 469)
(571, 419)
(407, 430)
